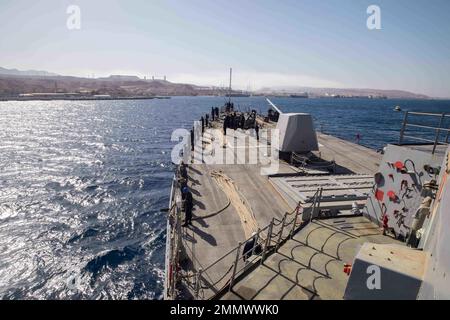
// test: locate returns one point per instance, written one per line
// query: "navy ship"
(267, 207)
(303, 95)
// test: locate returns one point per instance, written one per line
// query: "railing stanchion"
(402, 131)
(320, 199)
(313, 209)
(268, 239)
(238, 250)
(178, 247)
(280, 237)
(295, 220)
(438, 132)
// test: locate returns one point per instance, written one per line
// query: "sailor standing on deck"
(207, 120)
(213, 112)
(203, 124)
(242, 121)
(183, 170)
(233, 121)
(226, 123)
(182, 177)
(192, 139)
(188, 205)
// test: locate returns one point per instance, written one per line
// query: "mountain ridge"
(14, 81)
(316, 91)
(17, 72)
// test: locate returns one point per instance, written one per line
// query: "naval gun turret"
(296, 130)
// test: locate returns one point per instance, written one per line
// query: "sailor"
(227, 107)
(217, 112)
(182, 184)
(213, 112)
(242, 122)
(188, 204)
(257, 131)
(183, 170)
(277, 116)
(250, 247)
(203, 124)
(192, 139)
(233, 121)
(226, 123)
(207, 120)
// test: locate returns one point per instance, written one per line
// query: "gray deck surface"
(310, 266)
(209, 239)
(348, 155)
(428, 148)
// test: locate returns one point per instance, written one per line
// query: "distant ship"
(239, 95)
(300, 95)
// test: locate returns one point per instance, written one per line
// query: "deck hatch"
(335, 188)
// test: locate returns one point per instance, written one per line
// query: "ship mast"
(229, 88)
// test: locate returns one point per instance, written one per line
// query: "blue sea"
(83, 185)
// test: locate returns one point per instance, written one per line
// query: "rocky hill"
(117, 86)
(14, 82)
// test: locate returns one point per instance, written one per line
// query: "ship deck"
(208, 239)
(350, 157)
(310, 265)
(217, 226)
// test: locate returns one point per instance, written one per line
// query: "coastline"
(80, 98)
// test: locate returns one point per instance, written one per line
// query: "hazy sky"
(268, 43)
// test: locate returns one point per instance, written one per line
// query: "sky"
(276, 43)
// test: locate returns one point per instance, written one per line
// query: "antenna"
(274, 106)
(229, 89)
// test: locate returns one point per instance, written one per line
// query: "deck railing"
(173, 244)
(220, 276)
(437, 129)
